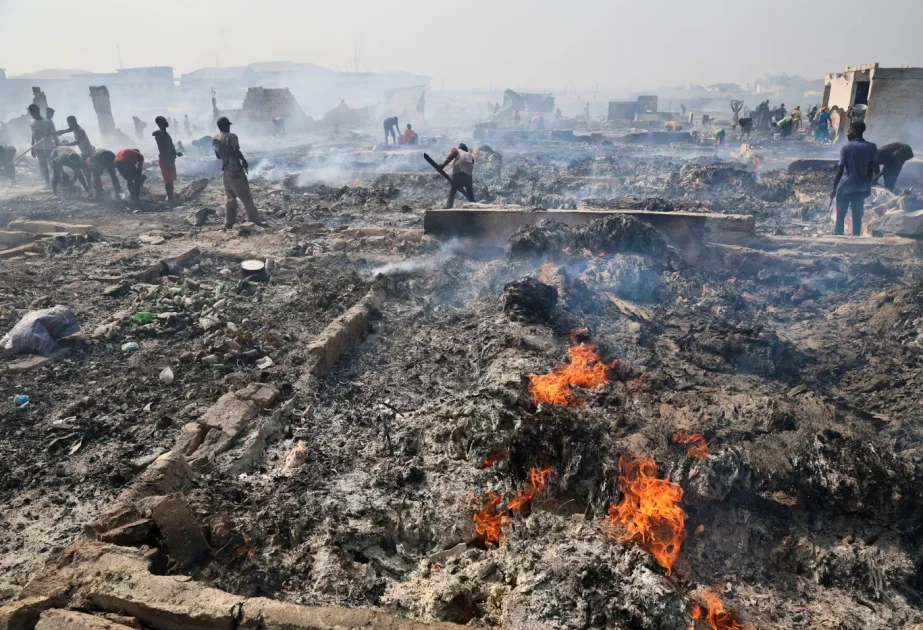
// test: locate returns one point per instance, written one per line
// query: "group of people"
(84, 162)
(393, 131)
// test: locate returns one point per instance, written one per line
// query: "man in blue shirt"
(859, 161)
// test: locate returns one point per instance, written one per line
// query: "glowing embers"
(715, 614)
(695, 443)
(649, 512)
(489, 519)
(585, 369)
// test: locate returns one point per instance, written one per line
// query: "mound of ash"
(695, 174)
(617, 234)
(724, 347)
(528, 300)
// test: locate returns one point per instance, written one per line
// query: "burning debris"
(585, 370)
(696, 445)
(649, 512)
(489, 520)
(714, 614)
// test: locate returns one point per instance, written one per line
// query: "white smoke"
(429, 262)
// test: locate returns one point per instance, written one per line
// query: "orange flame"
(487, 520)
(490, 460)
(585, 369)
(649, 511)
(572, 335)
(716, 616)
(545, 271)
(698, 448)
(538, 479)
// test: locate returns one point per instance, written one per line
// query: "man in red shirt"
(410, 136)
(130, 164)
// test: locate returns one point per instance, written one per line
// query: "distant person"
(279, 126)
(410, 136)
(140, 126)
(167, 155)
(538, 122)
(462, 173)
(784, 126)
(235, 168)
(891, 158)
(796, 119)
(672, 125)
(7, 155)
(812, 119)
(187, 126)
(516, 117)
(203, 145)
(859, 163)
(66, 157)
(558, 115)
(103, 160)
(823, 126)
(392, 129)
(746, 126)
(81, 140)
(720, 136)
(130, 165)
(43, 140)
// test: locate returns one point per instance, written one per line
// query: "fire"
(545, 271)
(574, 334)
(697, 447)
(487, 520)
(490, 460)
(585, 369)
(716, 616)
(649, 511)
(538, 479)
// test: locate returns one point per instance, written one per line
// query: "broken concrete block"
(262, 395)
(177, 524)
(190, 438)
(132, 533)
(12, 239)
(23, 613)
(259, 613)
(253, 447)
(72, 620)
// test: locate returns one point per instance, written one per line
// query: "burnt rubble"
(332, 428)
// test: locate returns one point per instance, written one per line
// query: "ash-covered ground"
(797, 370)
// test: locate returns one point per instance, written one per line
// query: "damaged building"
(894, 97)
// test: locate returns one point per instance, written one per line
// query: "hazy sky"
(621, 44)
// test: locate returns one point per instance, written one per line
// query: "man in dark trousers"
(167, 156)
(891, 159)
(103, 160)
(66, 157)
(235, 169)
(462, 173)
(130, 165)
(859, 163)
(44, 141)
(392, 129)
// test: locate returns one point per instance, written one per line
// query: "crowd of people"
(64, 164)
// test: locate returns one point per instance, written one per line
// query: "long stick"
(438, 168)
(15, 159)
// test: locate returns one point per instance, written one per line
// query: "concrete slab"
(890, 245)
(14, 238)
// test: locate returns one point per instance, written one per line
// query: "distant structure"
(894, 97)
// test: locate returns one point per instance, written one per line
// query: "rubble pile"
(337, 421)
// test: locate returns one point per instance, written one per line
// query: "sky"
(611, 45)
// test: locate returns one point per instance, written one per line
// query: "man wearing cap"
(235, 168)
(130, 165)
(167, 157)
(66, 157)
(462, 173)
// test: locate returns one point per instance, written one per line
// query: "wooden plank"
(52, 227)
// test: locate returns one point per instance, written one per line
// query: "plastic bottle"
(20, 400)
(143, 317)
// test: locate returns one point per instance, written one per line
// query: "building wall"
(896, 106)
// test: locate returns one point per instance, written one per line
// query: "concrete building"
(894, 97)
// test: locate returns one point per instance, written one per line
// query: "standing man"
(462, 173)
(103, 160)
(167, 156)
(44, 141)
(392, 129)
(235, 168)
(130, 165)
(859, 162)
(66, 157)
(140, 126)
(81, 140)
(891, 158)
